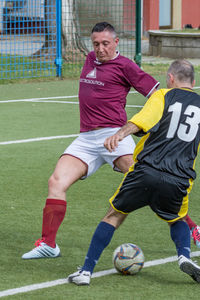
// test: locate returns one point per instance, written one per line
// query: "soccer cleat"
(42, 250)
(80, 278)
(189, 267)
(195, 234)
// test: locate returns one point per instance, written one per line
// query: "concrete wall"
(174, 45)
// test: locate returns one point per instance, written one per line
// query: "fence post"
(138, 55)
(58, 60)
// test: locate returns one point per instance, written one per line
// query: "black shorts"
(167, 195)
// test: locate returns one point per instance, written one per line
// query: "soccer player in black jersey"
(163, 170)
(105, 81)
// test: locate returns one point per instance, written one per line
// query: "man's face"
(105, 45)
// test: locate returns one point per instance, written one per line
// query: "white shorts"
(89, 148)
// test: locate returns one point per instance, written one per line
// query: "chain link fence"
(79, 19)
(24, 34)
(32, 31)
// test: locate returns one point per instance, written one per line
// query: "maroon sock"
(53, 215)
(190, 223)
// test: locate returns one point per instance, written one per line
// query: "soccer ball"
(128, 259)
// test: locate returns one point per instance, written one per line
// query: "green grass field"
(25, 169)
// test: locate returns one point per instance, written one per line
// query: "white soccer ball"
(128, 259)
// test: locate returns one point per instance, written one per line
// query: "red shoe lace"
(38, 242)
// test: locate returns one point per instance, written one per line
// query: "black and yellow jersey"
(170, 120)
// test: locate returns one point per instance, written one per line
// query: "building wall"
(150, 15)
(191, 13)
(183, 12)
(177, 14)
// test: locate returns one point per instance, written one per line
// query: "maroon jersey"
(103, 90)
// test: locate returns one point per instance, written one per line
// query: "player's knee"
(55, 183)
(128, 163)
(124, 163)
(114, 218)
(51, 182)
(126, 168)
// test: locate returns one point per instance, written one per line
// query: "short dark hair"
(183, 70)
(99, 27)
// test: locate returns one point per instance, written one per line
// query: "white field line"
(47, 284)
(53, 101)
(39, 139)
(60, 97)
(48, 100)
(38, 99)
(43, 285)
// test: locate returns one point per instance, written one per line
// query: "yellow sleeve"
(152, 111)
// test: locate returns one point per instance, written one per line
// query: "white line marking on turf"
(129, 105)
(41, 100)
(61, 102)
(53, 101)
(60, 97)
(38, 99)
(37, 286)
(39, 139)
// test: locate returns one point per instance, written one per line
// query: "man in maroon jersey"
(105, 81)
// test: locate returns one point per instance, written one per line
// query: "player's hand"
(111, 143)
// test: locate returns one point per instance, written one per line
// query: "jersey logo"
(92, 74)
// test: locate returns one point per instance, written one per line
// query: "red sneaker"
(196, 235)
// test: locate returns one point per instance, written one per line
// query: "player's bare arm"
(111, 143)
